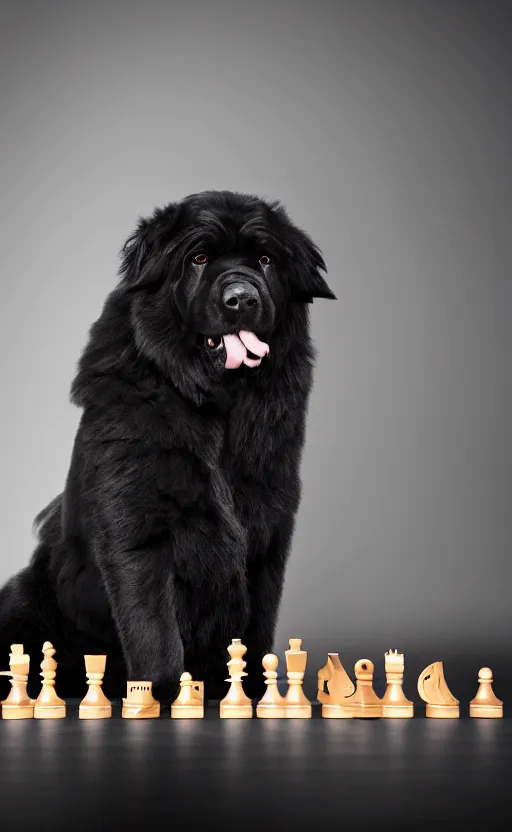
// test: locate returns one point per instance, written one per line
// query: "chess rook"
(236, 705)
(139, 702)
(48, 705)
(394, 703)
(486, 704)
(95, 704)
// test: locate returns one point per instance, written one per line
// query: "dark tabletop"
(255, 774)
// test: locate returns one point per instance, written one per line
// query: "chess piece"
(297, 706)
(236, 705)
(432, 687)
(394, 703)
(364, 703)
(48, 705)
(272, 705)
(189, 704)
(334, 677)
(95, 704)
(486, 704)
(139, 702)
(18, 704)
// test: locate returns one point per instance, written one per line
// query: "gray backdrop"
(385, 128)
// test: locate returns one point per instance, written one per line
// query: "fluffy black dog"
(173, 530)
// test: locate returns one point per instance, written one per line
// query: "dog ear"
(306, 264)
(142, 263)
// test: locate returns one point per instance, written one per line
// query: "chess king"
(173, 530)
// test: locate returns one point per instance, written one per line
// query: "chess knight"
(173, 530)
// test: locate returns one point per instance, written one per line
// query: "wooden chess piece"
(486, 704)
(271, 705)
(236, 705)
(139, 702)
(189, 704)
(48, 705)
(432, 687)
(95, 704)
(297, 705)
(394, 703)
(364, 703)
(18, 704)
(334, 677)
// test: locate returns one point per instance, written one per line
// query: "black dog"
(174, 527)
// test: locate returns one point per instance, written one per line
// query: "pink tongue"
(237, 346)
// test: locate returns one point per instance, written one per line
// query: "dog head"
(217, 272)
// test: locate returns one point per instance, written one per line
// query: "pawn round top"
(185, 677)
(48, 648)
(485, 674)
(270, 661)
(295, 643)
(363, 669)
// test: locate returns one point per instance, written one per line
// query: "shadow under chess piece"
(18, 704)
(432, 687)
(271, 705)
(95, 704)
(486, 704)
(236, 705)
(48, 705)
(189, 704)
(364, 703)
(139, 702)
(339, 686)
(297, 705)
(395, 705)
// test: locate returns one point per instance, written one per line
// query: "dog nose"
(240, 296)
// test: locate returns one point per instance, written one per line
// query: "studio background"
(385, 129)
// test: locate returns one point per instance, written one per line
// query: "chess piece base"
(486, 711)
(298, 711)
(95, 711)
(49, 712)
(235, 711)
(397, 711)
(187, 712)
(372, 711)
(140, 712)
(270, 712)
(17, 711)
(442, 711)
(333, 712)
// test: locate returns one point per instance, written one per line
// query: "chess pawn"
(432, 687)
(394, 703)
(271, 705)
(486, 704)
(139, 702)
(297, 706)
(189, 704)
(95, 704)
(236, 705)
(48, 705)
(339, 686)
(18, 704)
(364, 703)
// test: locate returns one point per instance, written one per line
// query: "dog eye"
(201, 259)
(264, 260)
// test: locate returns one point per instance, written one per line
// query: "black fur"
(173, 530)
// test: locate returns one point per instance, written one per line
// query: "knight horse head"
(334, 676)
